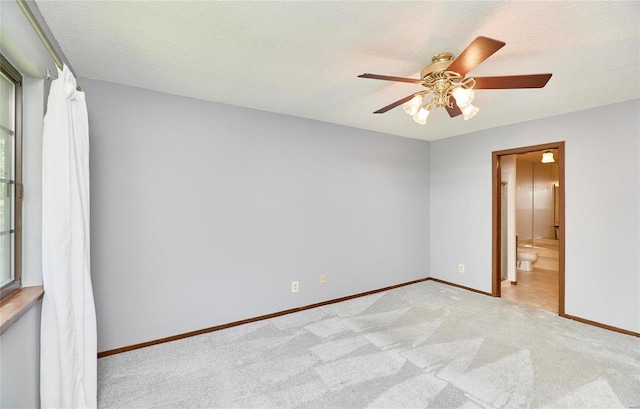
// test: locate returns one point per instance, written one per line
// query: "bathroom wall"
(524, 193)
(534, 196)
(545, 175)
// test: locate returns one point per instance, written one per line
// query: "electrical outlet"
(294, 286)
(460, 268)
(323, 278)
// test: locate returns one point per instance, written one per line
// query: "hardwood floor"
(538, 288)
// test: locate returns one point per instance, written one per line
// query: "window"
(10, 178)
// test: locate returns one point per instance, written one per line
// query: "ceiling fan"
(446, 82)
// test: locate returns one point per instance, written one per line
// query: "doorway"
(504, 249)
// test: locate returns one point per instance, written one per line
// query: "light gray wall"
(20, 344)
(20, 362)
(22, 47)
(202, 214)
(35, 93)
(602, 207)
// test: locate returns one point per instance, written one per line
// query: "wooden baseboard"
(600, 325)
(437, 280)
(249, 320)
(333, 301)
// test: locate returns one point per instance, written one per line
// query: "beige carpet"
(426, 345)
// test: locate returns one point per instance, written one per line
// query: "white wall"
(602, 207)
(202, 214)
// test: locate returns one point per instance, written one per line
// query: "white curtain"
(68, 349)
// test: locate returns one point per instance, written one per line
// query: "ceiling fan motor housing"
(439, 63)
(436, 77)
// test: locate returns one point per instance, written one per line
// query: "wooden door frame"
(496, 234)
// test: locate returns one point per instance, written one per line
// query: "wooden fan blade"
(512, 81)
(388, 78)
(479, 50)
(455, 109)
(395, 104)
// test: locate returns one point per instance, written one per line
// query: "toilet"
(525, 259)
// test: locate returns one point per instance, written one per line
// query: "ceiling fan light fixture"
(469, 111)
(445, 80)
(464, 97)
(412, 106)
(547, 157)
(421, 116)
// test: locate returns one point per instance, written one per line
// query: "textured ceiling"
(303, 58)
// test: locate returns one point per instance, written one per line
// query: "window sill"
(17, 304)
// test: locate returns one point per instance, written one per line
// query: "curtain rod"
(31, 17)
